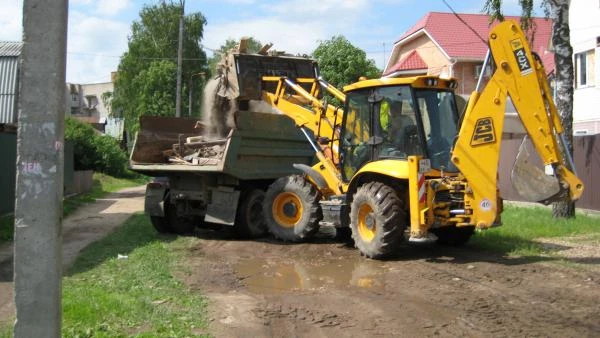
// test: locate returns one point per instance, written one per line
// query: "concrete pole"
(39, 188)
(179, 62)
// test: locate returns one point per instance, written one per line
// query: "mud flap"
(531, 182)
(223, 206)
(154, 204)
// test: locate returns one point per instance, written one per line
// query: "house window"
(74, 97)
(479, 68)
(585, 68)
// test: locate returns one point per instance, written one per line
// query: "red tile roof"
(458, 41)
(410, 62)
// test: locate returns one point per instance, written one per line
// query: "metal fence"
(8, 159)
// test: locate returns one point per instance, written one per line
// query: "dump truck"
(222, 181)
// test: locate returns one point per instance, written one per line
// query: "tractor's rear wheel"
(250, 219)
(453, 235)
(377, 220)
(291, 209)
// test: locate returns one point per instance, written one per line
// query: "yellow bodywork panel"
(393, 168)
(417, 187)
(415, 82)
(397, 169)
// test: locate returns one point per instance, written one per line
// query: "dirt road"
(265, 288)
(86, 225)
(325, 289)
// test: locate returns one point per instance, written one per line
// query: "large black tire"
(160, 224)
(377, 220)
(180, 225)
(452, 235)
(250, 219)
(291, 208)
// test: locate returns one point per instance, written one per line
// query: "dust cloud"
(217, 111)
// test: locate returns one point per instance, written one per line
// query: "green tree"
(558, 11)
(253, 47)
(341, 63)
(144, 84)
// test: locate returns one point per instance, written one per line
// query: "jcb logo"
(484, 132)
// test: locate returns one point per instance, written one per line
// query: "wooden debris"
(196, 150)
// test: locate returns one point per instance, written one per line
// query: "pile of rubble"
(196, 151)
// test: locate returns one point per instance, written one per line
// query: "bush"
(94, 151)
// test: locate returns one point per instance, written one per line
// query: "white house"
(584, 22)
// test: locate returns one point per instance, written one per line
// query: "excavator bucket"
(530, 181)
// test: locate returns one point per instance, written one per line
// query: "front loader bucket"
(241, 74)
(531, 182)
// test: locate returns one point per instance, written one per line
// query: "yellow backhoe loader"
(400, 157)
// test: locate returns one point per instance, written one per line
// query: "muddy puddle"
(267, 276)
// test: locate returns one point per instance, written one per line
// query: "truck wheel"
(160, 224)
(343, 234)
(180, 225)
(250, 219)
(453, 235)
(377, 220)
(291, 209)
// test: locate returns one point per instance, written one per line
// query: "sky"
(98, 30)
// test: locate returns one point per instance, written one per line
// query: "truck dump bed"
(261, 146)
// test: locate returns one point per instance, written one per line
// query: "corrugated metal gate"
(8, 89)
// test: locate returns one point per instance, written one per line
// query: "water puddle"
(266, 276)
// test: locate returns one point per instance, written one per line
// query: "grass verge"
(102, 185)
(522, 225)
(137, 296)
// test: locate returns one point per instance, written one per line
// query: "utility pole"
(40, 159)
(179, 60)
(190, 91)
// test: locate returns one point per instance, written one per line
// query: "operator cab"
(397, 118)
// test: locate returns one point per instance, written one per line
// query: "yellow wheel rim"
(367, 228)
(287, 209)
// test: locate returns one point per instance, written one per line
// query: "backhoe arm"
(310, 113)
(521, 76)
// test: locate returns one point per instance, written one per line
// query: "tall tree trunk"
(563, 58)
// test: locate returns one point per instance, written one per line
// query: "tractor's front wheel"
(291, 209)
(377, 220)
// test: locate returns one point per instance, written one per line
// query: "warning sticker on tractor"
(424, 166)
(484, 132)
(521, 56)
